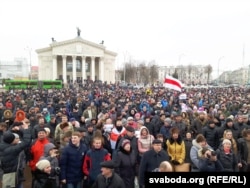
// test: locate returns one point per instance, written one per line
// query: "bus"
(33, 84)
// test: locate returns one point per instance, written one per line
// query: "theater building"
(76, 60)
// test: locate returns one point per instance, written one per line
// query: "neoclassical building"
(76, 60)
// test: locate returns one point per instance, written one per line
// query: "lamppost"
(219, 68)
(30, 70)
(180, 67)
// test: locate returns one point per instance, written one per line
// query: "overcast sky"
(171, 32)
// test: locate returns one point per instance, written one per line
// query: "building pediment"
(76, 46)
(77, 40)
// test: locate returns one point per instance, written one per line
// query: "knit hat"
(226, 141)
(47, 129)
(140, 122)
(8, 137)
(200, 138)
(42, 164)
(41, 129)
(130, 118)
(168, 120)
(229, 120)
(124, 142)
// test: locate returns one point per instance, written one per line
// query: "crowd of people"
(101, 135)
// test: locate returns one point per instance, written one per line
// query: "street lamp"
(219, 68)
(179, 64)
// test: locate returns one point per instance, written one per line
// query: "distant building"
(76, 60)
(189, 75)
(16, 69)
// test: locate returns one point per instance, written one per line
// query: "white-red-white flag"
(172, 83)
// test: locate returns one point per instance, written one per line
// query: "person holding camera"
(208, 161)
(201, 159)
(51, 154)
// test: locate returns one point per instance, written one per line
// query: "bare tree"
(208, 70)
(189, 69)
(175, 75)
(153, 71)
(130, 72)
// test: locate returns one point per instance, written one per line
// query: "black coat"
(41, 179)
(150, 161)
(9, 153)
(126, 167)
(114, 182)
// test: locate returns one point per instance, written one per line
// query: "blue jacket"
(71, 161)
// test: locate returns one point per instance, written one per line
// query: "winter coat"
(41, 179)
(176, 150)
(91, 166)
(113, 182)
(9, 153)
(71, 161)
(151, 160)
(126, 166)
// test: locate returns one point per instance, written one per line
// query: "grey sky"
(167, 31)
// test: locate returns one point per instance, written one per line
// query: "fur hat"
(42, 164)
(63, 125)
(8, 137)
(124, 142)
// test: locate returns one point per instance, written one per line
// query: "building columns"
(74, 69)
(64, 69)
(83, 68)
(101, 69)
(93, 68)
(54, 67)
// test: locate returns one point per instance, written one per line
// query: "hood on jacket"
(143, 127)
(47, 148)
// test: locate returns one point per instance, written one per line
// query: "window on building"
(69, 66)
(87, 68)
(78, 66)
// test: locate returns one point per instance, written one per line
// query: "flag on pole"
(172, 83)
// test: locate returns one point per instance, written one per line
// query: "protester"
(151, 159)
(41, 174)
(108, 178)
(71, 161)
(126, 164)
(11, 156)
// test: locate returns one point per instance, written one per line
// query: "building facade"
(76, 60)
(189, 75)
(19, 68)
